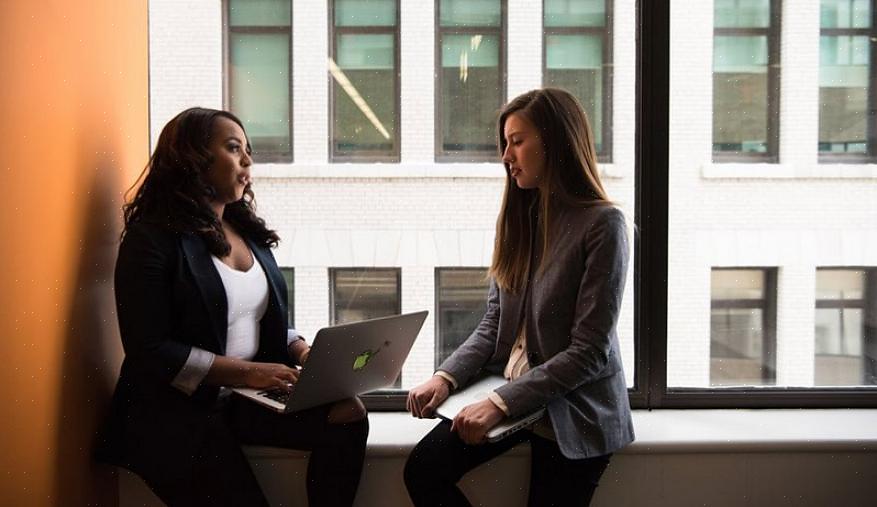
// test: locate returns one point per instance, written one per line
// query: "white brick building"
(795, 215)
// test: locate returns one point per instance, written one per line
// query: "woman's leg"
(559, 481)
(335, 435)
(439, 461)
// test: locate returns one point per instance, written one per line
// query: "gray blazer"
(571, 311)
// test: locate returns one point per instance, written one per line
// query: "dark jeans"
(441, 459)
(220, 474)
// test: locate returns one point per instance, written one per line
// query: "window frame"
(606, 33)
(469, 156)
(227, 92)
(870, 156)
(774, 64)
(366, 156)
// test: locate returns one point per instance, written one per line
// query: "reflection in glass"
(471, 79)
(461, 301)
(741, 335)
(844, 342)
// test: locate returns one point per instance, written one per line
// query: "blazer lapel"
(209, 284)
(273, 323)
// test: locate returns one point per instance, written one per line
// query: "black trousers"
(220, 475)
(441, 459)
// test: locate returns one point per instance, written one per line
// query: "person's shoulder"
(149, 232)
(598, 214)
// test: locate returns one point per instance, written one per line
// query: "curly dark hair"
(175, 195)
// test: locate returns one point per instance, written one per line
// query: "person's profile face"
(229, 174)
(524, 154)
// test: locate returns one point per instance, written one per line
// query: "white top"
(247, 296)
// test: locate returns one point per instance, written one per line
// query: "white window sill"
(788, 171)
(395, 170)
(394, 434)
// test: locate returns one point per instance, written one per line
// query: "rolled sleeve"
(498, 401)
(293, 335)
(447, 376)
(194, 370)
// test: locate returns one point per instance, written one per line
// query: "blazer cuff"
(447, 376)
(498, 401)
(194, 370)
(292, 335)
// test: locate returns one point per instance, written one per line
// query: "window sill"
(394, 434)
(482, 170)
(787, 171)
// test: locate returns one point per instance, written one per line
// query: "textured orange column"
(73, 135)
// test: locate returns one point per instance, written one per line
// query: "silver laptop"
(347, 360)
(478, 391)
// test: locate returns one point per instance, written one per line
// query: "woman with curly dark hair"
(202, 307)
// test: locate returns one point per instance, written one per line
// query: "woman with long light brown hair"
(557, 280)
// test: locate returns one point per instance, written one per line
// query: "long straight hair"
(570, 179)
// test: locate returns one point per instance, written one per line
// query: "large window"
(577, 57)
(746, 61)
(460, 302)
(470, 88)
(742, 327)
(364, 69)
(845, 327)
(258, 85)
(846, 78)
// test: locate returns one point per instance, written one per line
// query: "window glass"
(365, 12)
(471, 83)
(461, 300)
(361, 294)
(844, 342)
(259, 12)
(845, 118)
(575, 13)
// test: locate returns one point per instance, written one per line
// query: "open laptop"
(478, 391)
(347, 360)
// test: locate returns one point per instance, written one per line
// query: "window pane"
(259, 12)
(845, 13)
(470, 13)
(365, 12)
(289, 278)
(259, 88)
(835, 284)
(470, 92)
(575, 12)
(365, 114)
(736, 348)
(734, 284)
(839, 358)
(740, 94)
(742, 13)
(461, 300)
(360, 294)
(575, 63)
(844, 82)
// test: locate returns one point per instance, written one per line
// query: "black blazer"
(169, 298)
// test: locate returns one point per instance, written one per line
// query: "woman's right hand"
(270, 376)
(425, 398)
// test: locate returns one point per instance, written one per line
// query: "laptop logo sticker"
(362, 359)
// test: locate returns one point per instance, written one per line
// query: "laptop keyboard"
(278, 395)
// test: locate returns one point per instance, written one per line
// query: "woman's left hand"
(475, 420)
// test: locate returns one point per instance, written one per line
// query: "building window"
(846, 75)
(470, 88)
(364, 69)
(846, 311)
(746, 58)
(364, 293)
(577, 57)
(258, 83)
(461, 300)
(289, 278)
(743, 327)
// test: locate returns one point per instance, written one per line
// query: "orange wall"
(74, 103)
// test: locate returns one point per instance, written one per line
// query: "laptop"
(347, 360)
(478, 391)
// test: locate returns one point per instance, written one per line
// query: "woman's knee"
(347, 411)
